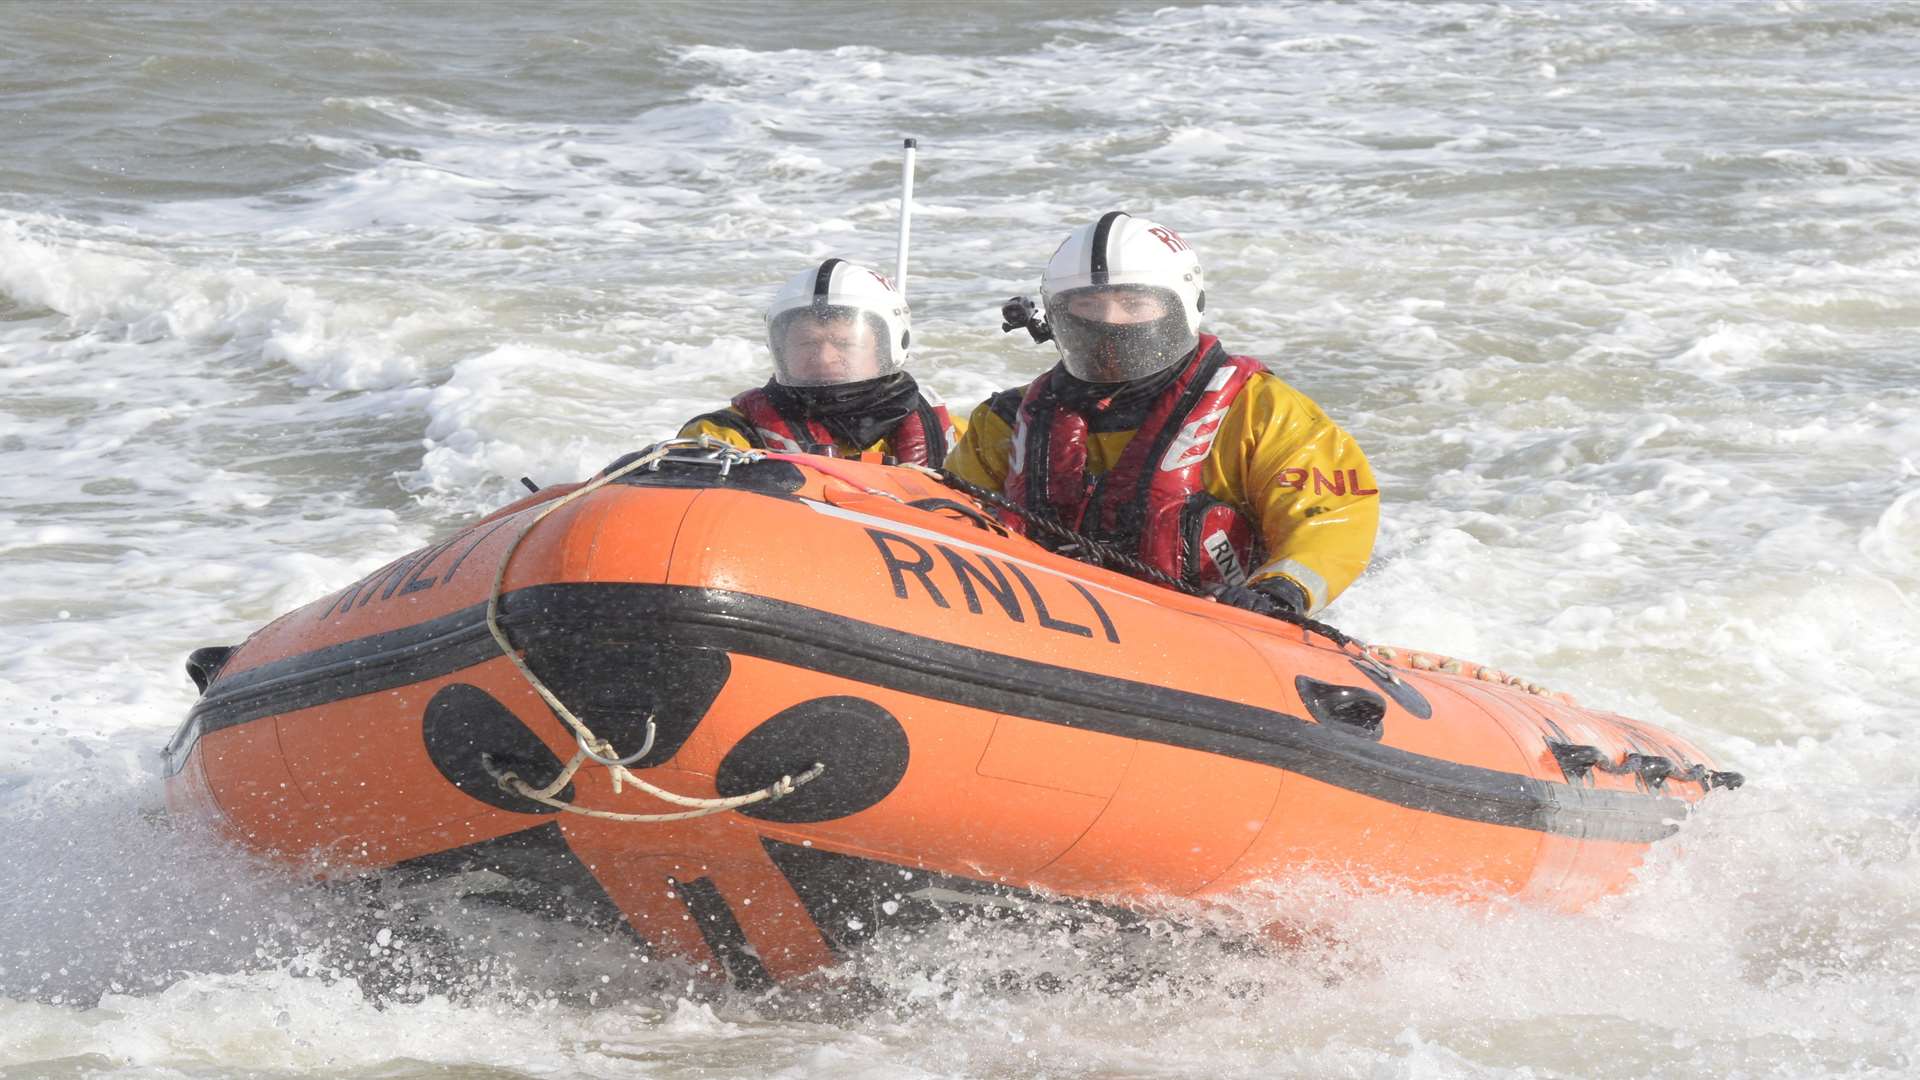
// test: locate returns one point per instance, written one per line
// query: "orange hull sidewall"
(349, 785)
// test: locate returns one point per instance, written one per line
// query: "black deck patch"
(613, 684)
(465, 728)
(852, 898)
(540, 856)
(863, 747)
(765, 476)
(722, 933)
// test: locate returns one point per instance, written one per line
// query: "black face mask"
(859, 414)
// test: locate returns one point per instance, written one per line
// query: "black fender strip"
(942, 671)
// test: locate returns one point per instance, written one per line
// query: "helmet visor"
(829, 344)
(1118, 333)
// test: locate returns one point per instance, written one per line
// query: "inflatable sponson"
(848, 700)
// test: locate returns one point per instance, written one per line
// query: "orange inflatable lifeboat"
(846, 699)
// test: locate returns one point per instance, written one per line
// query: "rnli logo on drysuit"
(1340, 483)
(1194, 442)
(1220, 552)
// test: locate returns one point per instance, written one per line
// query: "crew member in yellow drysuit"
(1148, 435)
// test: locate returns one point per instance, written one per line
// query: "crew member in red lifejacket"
(1150, 436)
(839, 335)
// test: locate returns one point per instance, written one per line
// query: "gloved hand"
(1270, 597)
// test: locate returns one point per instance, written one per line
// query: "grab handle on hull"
(204, 664)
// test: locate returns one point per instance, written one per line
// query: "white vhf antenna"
(906, 218)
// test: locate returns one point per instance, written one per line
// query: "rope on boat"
(511, 781)
(592, 746)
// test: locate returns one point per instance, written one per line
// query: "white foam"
(135, 295)
(1892, 542)
(1631, 357)
(552, 415)
(1726, 348)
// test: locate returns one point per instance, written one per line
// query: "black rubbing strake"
(743, 624)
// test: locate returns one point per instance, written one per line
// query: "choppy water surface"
(1621, 298)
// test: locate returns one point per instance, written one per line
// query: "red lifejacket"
(1153, 503)
(923, 438)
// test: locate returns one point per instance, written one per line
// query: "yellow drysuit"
(1278, 458)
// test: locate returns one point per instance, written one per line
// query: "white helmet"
(837, 323)
(1123, 297)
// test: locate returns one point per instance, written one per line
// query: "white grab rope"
(591, 745)
(545, 796)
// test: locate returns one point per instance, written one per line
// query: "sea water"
(1621, 299)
